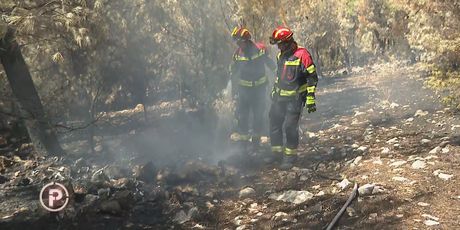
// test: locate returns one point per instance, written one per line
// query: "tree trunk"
(17, 72)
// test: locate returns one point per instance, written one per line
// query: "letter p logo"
(54, 197)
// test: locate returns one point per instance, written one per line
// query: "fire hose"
(354, 194)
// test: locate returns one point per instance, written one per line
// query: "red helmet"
(281, 34)
(241, 33)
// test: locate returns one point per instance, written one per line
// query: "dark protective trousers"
(285, 112)
(251, 100)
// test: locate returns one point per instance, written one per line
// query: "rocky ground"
(376, 127)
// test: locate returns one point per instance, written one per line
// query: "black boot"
(288, 162)
(273, 157)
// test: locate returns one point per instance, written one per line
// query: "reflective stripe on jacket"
(249, 65)
(296, 73)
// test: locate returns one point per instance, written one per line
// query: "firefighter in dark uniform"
(249, 82)
(293, 90)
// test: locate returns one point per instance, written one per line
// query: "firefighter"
(293, 90)
(249, 85)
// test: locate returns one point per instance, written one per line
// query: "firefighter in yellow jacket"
(249, 84)
(293, 90)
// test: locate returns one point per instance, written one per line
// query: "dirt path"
(376, 127)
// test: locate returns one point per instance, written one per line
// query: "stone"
(366, 189)
(320, 193)
(371, 189)
(437, 149)
(88, 201)
(392, 141)
(246, 193)
(280, 215)
(398, 163)
(356, 161)
(444, 143)
(445, 176)
(98, 148)
(420, 113)
(400, 179)
(146, 173)
(430, 157)
(122, 183)
(425, 141)
(198, 226)
(238, 220)
(351, 211)
(99, 177)
(193, 213)
(430, 222)
(343, 184)
(114, 172)
(394, 105)
(304, 178)
(385, 150)
(430, 217)
(111, 207)
(423, 204)
(418, 164)
(181, 217)
(103, 193)
(337, 126)
(253, 208)
(125, 198)
(363, 148)
(445, 150)
(292, 196)
(242, 227)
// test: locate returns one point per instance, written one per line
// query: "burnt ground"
(377, 127)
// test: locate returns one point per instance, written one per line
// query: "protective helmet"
(281, 34)
(241, 33)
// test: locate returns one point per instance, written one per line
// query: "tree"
(23, 88)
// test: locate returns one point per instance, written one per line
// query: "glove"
(311, 103)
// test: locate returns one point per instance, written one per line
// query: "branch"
(182, 39)
(68, 128)
(74, 128)
(225, 16)
(40, 6)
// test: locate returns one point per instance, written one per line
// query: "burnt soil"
(374, 126)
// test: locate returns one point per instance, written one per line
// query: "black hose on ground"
(354, 194)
